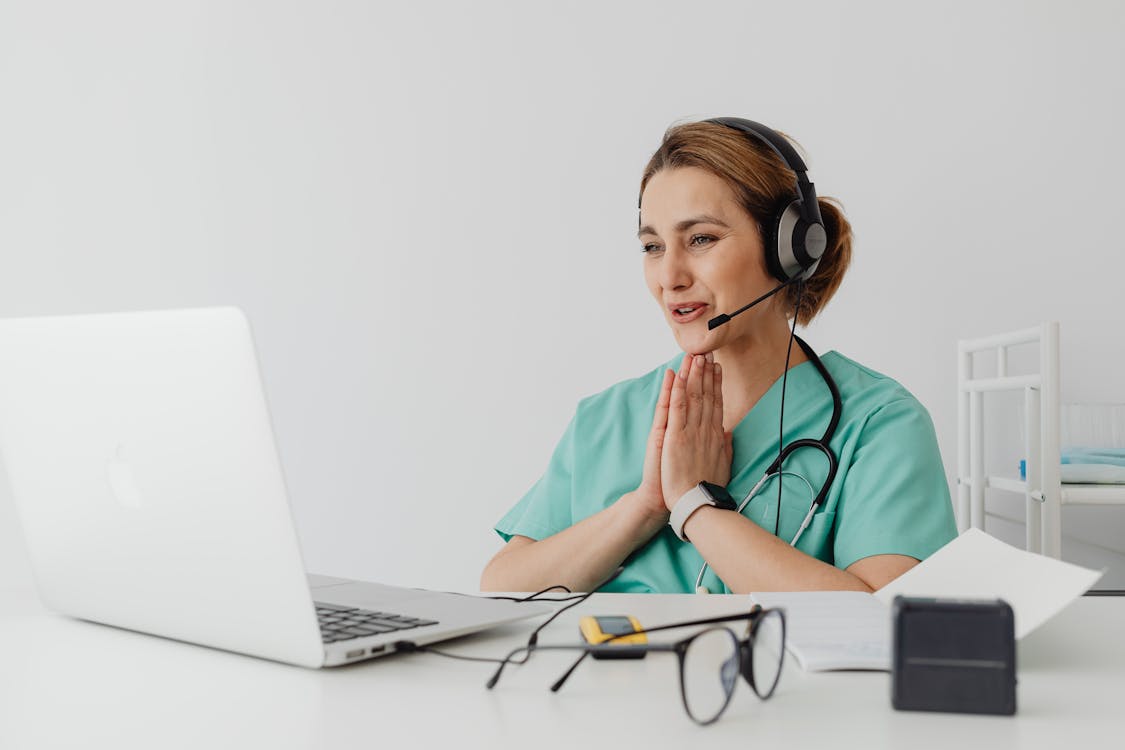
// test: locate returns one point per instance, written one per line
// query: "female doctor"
(675, 474)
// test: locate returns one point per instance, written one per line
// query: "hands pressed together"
(687, 443)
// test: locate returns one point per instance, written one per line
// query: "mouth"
(686, 312)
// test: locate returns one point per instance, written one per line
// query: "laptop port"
(378, 649)
(354, 653)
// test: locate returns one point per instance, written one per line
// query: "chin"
(697, 344)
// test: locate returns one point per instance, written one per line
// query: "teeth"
(685, 310)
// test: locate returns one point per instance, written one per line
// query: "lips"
(686, 312)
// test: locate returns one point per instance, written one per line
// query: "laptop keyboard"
(345, 623)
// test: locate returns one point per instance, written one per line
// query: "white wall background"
(427, 209)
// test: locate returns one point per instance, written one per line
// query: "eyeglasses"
(710, 660)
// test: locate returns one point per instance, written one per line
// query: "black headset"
(794, 242)
(795, 238)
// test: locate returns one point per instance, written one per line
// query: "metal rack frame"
(1043, 491)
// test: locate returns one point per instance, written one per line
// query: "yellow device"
(601, 628)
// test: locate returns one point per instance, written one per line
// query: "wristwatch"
(704, 493)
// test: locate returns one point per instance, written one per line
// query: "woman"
(624, 482)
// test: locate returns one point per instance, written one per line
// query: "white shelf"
(1092, 494)
(1008, 484)
(1071, 494)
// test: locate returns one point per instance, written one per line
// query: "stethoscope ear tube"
(822, 446)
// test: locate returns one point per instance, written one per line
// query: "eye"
(650, 247)
(700, 240)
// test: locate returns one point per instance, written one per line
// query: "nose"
(675, 269)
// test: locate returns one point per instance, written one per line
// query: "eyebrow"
(682, 225)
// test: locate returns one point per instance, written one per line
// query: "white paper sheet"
(978, 566)
(852, 630)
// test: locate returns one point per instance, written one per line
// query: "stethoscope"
(774, 469)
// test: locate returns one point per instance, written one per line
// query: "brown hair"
(764, 185)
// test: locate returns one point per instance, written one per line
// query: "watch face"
(719, 494)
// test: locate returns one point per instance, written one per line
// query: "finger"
(717, 416)
(660, 413)
(677, 401)
(660, 416)
(707, 410)
(694, 393)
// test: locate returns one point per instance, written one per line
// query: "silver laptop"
(143, 465)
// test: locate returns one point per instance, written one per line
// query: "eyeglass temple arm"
(594, 647)
(566, 675)
(757, 610)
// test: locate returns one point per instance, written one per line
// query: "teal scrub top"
(889, 496)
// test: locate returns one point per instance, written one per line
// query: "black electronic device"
(953, 655)
(719, 495)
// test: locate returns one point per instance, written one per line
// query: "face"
(703, 257)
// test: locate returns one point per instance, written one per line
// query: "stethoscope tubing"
(774, 469)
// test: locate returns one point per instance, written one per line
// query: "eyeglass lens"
(710, 670)
(712, 664)
(768, 639)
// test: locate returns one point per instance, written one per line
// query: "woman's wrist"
(704, 519)
(670, 500)
(639, 515)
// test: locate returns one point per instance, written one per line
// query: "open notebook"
(828, 630)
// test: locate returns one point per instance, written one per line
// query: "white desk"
(65, 683)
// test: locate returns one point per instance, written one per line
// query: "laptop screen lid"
(141, 457)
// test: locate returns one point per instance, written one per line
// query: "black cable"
(781, 420)
(410, 647)
(544, 591)
(528, 598)
(521, 600)
(533, 597)
(533, 639)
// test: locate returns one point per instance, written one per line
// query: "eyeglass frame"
(680, 648)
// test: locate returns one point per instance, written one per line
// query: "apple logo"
(121, 479)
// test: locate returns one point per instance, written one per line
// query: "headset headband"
(806, 191)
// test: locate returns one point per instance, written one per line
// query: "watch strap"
(693, 500)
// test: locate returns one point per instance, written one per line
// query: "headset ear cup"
(781, 259)
(771, 248)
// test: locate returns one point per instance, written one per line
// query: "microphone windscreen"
(717, 321)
